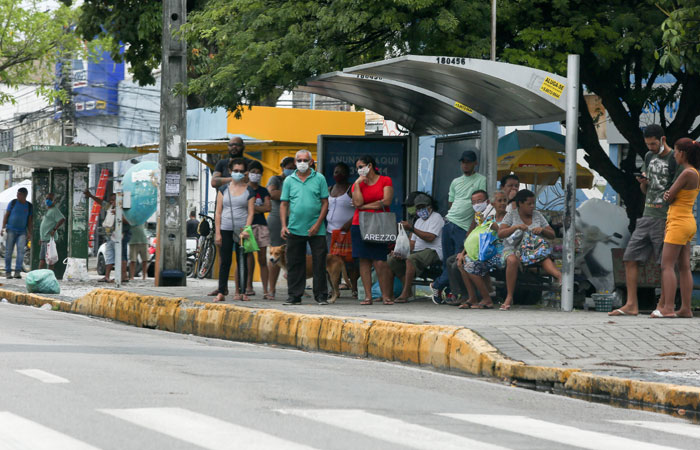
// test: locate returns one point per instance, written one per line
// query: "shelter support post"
(171, 250)
(118, 228)
(489, 152)
(77, 218)
(572, 91)
(412, 164)
(41, 185)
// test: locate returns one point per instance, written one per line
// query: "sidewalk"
(639, 348)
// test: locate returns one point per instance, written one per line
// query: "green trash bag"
(249, 244)
(42, 281)
(471, 243)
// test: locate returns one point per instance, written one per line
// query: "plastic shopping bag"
(403, 245)
(341, 245)
(250, 245)
(76, 270)
(42, 281)
(51, 253)
(473, 240)
(487, 249)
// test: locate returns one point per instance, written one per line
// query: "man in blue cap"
(459, 217)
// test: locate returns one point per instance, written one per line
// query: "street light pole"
(170, 251)
(569, 248)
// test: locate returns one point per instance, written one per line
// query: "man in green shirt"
(138, 247)
(305, 196)
(459, 217)
(52, 221)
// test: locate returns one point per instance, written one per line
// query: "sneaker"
(292, 301)
(321, 301)
(8, 275)
(436, 295)
(17, 275)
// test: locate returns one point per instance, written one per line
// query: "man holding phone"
(658, 172)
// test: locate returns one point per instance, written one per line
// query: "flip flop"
(400, 300)
(504, 308)
(619, 312)
(366, 302)
(656, 314)
(482, 306)
(388, 302)
(465, 306)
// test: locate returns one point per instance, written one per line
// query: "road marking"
(18, 433)
(391, 430)
(199, 429)
(684, 429)
(44, 377)
(562, 434)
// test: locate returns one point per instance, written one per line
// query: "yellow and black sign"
(464, 108)
(101, 104)
(552, 87)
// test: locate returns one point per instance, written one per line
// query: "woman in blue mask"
(235, 207)
(274, 186)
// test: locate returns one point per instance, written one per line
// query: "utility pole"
(171, 253)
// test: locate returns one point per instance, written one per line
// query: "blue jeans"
(19, 240)
(452, 243)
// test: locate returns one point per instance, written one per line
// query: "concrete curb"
(442, 347)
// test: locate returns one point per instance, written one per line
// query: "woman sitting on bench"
(516, 223)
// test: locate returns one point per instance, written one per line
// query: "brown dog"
(335, 267)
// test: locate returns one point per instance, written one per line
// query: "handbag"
(533, 249)
(378, 227)
(341, 245)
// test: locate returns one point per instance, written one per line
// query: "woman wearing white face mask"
(235, 207)
(374, 193)
(260, 230)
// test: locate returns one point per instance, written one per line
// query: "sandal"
(219, 298)
(367, 301)
(483, 306)
(268, 296)
(245, 298)
(237, 297)
(104, 280)
(216, 292)
(400, 300)
(466, 305)
(250, 292)
(387, 301)
(504, 307)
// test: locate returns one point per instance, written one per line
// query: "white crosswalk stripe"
(562, 434)
(202, 430)
(44, 377)
(683, 429)
(390, 430)
(18, 433)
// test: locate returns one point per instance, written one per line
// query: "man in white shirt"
(426, 245)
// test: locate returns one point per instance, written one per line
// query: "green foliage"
(246, 51)
(136, 23)
(32, 40)
(681, 34)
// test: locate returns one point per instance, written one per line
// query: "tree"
(617, 41)
(32, 40)
(243, 52)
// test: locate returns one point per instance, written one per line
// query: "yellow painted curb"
(443, 347)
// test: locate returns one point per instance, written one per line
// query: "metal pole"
(118, 243)
(489, 147)
(493, 30)
(172, 198)
(572, 92)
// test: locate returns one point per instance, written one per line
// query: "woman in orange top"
(680, 230)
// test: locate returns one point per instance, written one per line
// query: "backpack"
(11, 206)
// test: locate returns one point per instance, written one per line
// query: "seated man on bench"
(426, 246)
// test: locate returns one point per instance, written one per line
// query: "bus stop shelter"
(63, 170)
(443, 95)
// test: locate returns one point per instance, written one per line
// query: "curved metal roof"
(414, 107)
(507, 94)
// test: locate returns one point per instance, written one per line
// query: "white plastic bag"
(51, 253)
(76, 270)
(403, 245)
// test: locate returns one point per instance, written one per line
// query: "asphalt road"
(71, 382)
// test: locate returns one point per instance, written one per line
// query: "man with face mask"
(459, 217)
(305, 198)
(221, 174)
(426, 246)
(52, 221)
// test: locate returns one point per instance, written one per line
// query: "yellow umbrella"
(540, 166)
